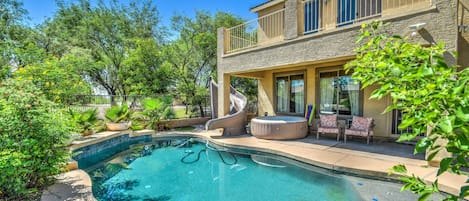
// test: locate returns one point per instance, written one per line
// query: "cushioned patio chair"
(362, 127)
(328, 124)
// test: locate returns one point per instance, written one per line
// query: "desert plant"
(33, 140)
(157, 109)
(139, 121)
(118, 114)
(85, 121)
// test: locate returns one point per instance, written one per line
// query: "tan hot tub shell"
(279, 127)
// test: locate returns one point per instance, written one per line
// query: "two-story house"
(297, 49)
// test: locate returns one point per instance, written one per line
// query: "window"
(290, 94)
(339, 94)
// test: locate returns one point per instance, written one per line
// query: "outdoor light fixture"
(416, 28)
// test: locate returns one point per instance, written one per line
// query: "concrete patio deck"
(354, 158)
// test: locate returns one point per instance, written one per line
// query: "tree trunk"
(201, 108)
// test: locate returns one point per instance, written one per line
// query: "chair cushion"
(328, 121)
(328, 130)
(356, 132)
(361, 123)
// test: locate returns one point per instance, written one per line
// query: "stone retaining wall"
(175, 123)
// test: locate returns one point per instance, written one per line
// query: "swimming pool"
(186, 169)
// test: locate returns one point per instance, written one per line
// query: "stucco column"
(223, 94)
(265, 95)
(220, 44)
(291, 19)
(223, 79)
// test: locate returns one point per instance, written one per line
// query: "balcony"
(262, 31)
(314, 16)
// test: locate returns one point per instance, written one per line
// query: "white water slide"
(235, 122)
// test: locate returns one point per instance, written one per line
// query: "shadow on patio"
(377, 146)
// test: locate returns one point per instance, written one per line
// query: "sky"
(38, 10)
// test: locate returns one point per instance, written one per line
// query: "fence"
(103, 102)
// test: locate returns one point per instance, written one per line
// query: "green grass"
(180, 113)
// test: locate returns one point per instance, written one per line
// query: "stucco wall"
(374, 109)
(463, 37)
(271, 9)
(176, 123)
(441, 25)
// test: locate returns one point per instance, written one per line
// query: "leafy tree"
(54, 79)
(432, 94)
(145, 71)
(114, 36)
(25, 56)
(12, 15)
(193, 55)
(33, 140)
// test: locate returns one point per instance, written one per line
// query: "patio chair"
(328, 124)
(362, 127)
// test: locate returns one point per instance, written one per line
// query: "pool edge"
(339, 164)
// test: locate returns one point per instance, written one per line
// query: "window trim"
(318, 92)
(289, 74)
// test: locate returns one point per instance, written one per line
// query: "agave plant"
(85, 120)
(118, 114)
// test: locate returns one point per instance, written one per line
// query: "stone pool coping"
(333, 158)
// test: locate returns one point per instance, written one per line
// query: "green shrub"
(85, 121)
(118, 114)
(33, 138)
(157, 109)
(139, 121)
(432, 94)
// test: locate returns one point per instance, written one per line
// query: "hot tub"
(279, 127)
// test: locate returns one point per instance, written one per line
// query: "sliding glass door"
(290, 94)
(338, 94)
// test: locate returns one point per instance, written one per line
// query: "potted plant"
(119, 117)
(85, 120)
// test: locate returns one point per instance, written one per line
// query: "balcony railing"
(264, 30)
(319, 14)
(314, 16)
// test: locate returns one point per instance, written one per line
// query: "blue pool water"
(162, 175)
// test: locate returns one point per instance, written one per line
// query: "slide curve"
(234, 123)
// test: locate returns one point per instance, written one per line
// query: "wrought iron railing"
(82, 102)
(327, 14)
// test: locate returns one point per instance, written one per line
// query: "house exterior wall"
(271, 9)
(440, 24)
(332, 47)
(463, 36)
